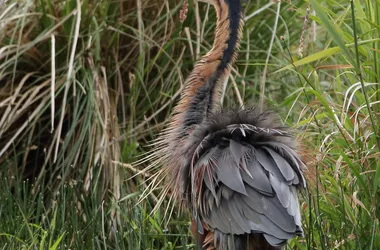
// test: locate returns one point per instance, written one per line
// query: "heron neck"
(203, 86)
(228, 32)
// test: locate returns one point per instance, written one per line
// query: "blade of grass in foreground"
(334, 31)
(324, 54)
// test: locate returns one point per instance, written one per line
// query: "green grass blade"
(333, 31)
(56, 243)
(323, 54)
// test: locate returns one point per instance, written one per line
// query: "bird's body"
(236, 170)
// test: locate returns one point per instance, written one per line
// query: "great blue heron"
(236, 170)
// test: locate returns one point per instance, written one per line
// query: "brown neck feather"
(203, 86)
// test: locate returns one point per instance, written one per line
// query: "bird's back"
(243, 181)
(236, 170)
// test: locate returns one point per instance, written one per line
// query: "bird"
(236, 170)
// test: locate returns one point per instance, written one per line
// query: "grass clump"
(341, 118)
(70, 93)
(85, 85)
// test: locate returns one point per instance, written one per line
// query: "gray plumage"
(237, 170)
(249, 179)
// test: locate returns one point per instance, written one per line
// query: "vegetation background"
(85, 85)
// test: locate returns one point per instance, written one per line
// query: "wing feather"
(268, 163)
(232, 225)
(249, 187)
(237, 150)
(292, 155)
(275, 212)
(281, 189)
(284, 167)
(229, 173)
(273, 240)
(238, 217)
(266, 203)
(259, 179)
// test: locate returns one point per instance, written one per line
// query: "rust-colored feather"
(237, 171)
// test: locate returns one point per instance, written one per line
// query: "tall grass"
(74, 105)
(341, 119)
(85, 85)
